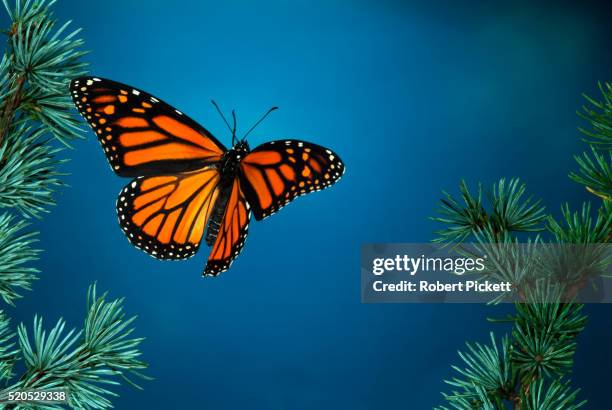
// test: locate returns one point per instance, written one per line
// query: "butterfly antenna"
(234, 128)
(263, 117)
(221, 114)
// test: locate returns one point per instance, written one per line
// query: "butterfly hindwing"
(277, 172)
(233, 231)
(166, 215)
(140, 134)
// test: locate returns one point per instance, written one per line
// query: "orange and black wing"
(277, 172)
(140, 134)
(232, 232)
(166, 215)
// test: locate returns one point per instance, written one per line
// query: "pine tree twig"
(12, 104)
(595, 173)
(29, 176)
(508, 211)
(16, 253)
(540, 350)
(83, 361)
(35, 105)
(8, 352)
(599, 116)
(9, 109)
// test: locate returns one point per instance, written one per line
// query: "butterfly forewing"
(166, 215)
(277, 172)
(140, 134)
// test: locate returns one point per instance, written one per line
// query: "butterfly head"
(231, 159)
(242, 147)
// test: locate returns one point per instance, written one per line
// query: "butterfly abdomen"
(216, 217)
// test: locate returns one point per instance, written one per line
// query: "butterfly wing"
(166, 215)
(140, 134)
(232, 232)
(277, 172)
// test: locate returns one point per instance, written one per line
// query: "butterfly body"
(230, 170)
(187, 187)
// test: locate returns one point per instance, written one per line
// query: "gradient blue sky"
(413, 96)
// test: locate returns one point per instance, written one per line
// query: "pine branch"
(10, 106)
(35, 72)
(16, 254)
(544, 335)
(35, 107)
(585, 257)
(578, 227)
(513, 213)
(461, 220)
(599, 116)
(508, 260)
(529, 374)
(82, 362)
(542, 343)
(8, 352)
(43, 60)
(480, 401)
(531, 264)
(542, 348)
(487, 374)
(557, 395)
(29, 175)
(595, 173)
(508, 212)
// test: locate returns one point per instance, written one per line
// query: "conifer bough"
(531, 369)
(36, 122)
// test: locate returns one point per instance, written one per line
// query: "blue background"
(413, 96)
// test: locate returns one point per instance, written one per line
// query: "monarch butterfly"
(187, 185)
